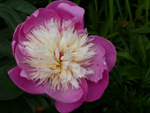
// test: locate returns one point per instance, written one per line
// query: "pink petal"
(74, 13)
(24, 84)
(36, 13)
(24, 74)
(68, 107)
(13, 44)
(20, 59)
(81, 32)
(15, 35)
(15, 38)
(40, 16)
(53, 5)
(24, 51)
(109, 48)
(99, 66)
(45, 14)
(68, 96)
(95, 90)
(27, 26)
(68, 23)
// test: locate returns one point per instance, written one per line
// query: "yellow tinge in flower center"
(58, 55)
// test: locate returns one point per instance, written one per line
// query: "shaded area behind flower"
(126, 90)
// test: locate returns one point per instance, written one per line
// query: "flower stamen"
(58, 57)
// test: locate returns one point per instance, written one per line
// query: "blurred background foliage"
(125, 23)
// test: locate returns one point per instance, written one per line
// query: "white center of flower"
(58, 55)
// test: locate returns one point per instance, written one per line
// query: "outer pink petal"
(109, 48)
(27, 26)
(15, 35)
(53, 5)
(35, 13)
(15, 38)
(99, 66)
(19, 60)
(45, 14)
(68, 107)
(24, 84)
(95, 90)
(74, 13)
(39, 16)
(68, 96)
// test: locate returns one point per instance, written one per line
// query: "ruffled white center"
(57, 54)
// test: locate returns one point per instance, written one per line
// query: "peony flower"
(55, 56)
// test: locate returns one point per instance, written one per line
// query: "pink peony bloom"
(55, 56)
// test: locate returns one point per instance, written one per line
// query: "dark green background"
(124, 22)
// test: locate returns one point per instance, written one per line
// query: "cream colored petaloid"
(58, 55)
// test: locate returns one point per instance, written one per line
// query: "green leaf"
(5, 33)
(112, 110)
(132, 72)
(144, 4)
(50, 99)
(148, 46)
(119, 8)
(148, 110)
(96, 5)
(1, 55)
(4, 105)
(5, 68)
(140, 2)
(139, 45)
(117, 24)
(93, 17)
(106, 8)
(143, 29)
(10, 16)
(77, 2)
(43, 102)
(112, 35)
(146, 78)
(32, 103)
(127, 56)
(147, 8)
(9, 10)
(111, 9)
(101, 10)
(11, 22)
(8, 90)
(21, 6)
(5, 48)
(50, 1)
(124, 43)
(19, 107)
(138, 12)
(145, 39)
(129, 10)
(105, 27)
(4, 60)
